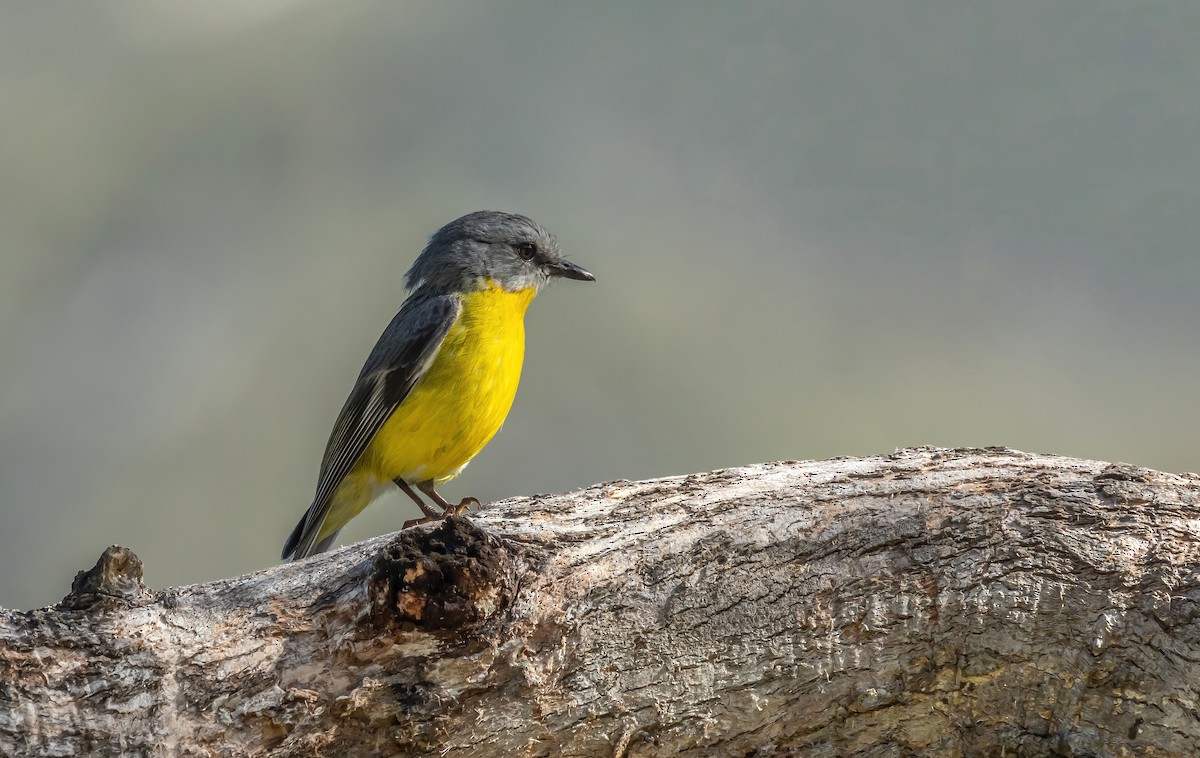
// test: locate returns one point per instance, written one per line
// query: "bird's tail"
(301, 545)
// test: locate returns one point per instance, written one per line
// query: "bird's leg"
(431, 514)
(447, 508)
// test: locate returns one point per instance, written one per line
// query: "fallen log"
(926, 603)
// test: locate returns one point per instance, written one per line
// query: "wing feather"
(400, 358)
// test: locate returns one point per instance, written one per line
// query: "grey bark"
(927, 603)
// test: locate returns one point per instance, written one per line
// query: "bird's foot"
(463, 507)
(450, 510)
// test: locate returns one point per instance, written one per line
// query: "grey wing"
(401, 357)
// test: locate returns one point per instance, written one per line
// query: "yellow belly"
(452, 412)
(464, 397)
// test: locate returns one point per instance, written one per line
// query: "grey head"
(489, 246)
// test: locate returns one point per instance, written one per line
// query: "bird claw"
(453, 510)
(464, 507)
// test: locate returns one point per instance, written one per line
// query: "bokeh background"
(818, 228)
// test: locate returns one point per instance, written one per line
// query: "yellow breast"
(464, 397)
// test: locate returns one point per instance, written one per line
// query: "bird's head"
(472, 252)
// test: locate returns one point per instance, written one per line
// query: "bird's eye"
(526, 250)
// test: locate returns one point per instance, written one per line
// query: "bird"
(442, 377)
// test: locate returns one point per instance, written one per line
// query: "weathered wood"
(931, 602)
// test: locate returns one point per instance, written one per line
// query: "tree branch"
(931, 602)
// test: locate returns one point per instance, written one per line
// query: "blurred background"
(818, 229)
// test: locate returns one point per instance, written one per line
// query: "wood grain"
(927, 603)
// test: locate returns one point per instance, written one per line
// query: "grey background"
(818, 228)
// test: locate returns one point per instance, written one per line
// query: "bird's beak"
(569, 270)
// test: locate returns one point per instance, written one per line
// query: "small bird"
(441, 379)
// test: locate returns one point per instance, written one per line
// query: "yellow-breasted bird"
(442, 377)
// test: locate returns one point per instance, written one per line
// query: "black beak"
(569, 270)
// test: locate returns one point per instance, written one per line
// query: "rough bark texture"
(931, 602)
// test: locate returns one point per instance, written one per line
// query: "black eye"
(526, 250)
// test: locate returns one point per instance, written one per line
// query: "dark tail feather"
(297, 546)
(324, 544)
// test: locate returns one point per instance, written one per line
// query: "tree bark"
(927, 603)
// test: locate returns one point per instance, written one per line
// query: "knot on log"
(450, 577)
(116, 575)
